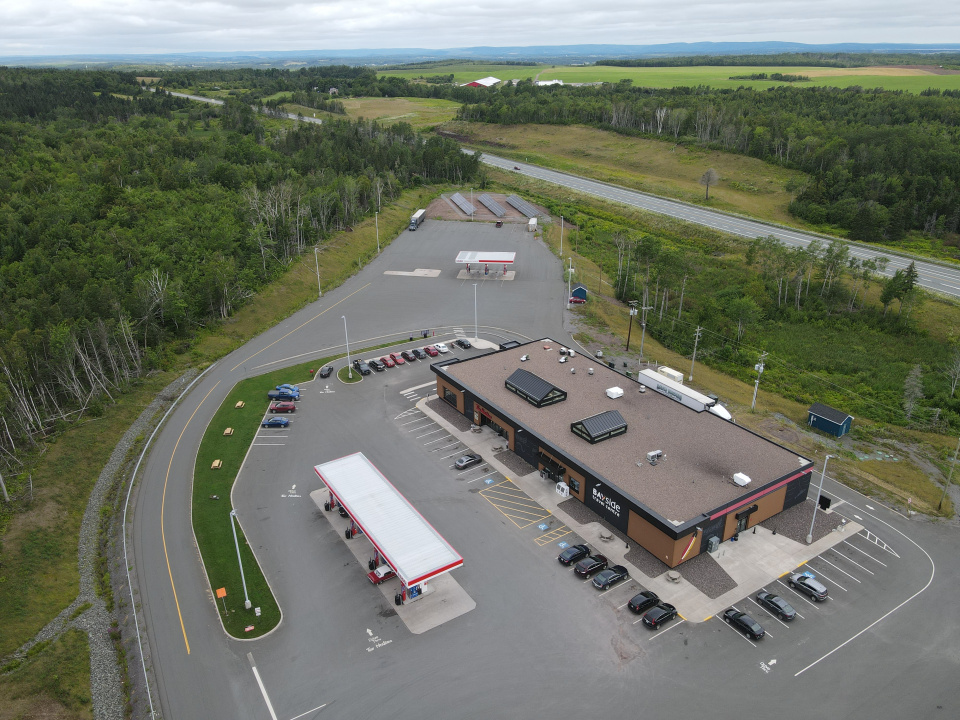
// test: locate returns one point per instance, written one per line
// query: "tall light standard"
(376, 220)
(569, 275)
(950, 476)
(476, 332)
(349, 367)
(819, 490)
(317, 260)
(233, 526)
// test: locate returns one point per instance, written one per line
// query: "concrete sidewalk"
(754, 562)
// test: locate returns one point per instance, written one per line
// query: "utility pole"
(317, 260)
(759, 368)
(561, 236)
(696, 339)
(376, 220)
(476, 331)
(820, 490)
(643, 320)
(949, 477)
(633, 311)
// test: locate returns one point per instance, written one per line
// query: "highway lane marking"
(301, 325)
(163, 503)
(263, 690)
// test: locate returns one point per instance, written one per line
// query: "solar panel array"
(523, 206)
(463, 204)
(492, 205)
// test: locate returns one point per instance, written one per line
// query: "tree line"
(808, 59)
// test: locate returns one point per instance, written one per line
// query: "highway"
(932, 276)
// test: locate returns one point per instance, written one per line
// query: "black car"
(744, 623)
(326, 371)
(463, 342)
(467, 460)
(361, 367)
(658, 615)
(776, 605)
(808, 586)
(610, 577)
(275, 422)
(420, 354)
(643, 601)
(572, 554)
(408, 356)
(590, 566)
(376, 365)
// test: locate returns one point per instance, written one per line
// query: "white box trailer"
(682, 394)
(418, 217)
(532, 225)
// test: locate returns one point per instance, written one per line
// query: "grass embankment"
(53, 682)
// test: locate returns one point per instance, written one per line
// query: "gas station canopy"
(412, 547)
(466, 257)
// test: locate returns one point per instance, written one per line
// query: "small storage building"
(579, 291)
(829, 420)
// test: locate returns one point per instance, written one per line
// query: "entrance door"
(742, 524)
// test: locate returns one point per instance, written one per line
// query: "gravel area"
(449, 413)
(706, 575)
(515, 464)
(106, 682)
(794, 522)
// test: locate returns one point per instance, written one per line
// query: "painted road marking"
(834, 582)
(799, 595)
(768, 612)
(562, 544)
(263, 690)
(437, 440)
(318, 707)
(416, 387)
(292, 492)
(514, 504)
(736, 632)
(678, 624)
(554, 534)
(847, 542)
(410, 422)
(421, 427)
(852, 561)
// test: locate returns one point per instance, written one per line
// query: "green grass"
(345, 374)
(53, 682)
(465, 72)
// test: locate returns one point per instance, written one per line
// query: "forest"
(131, 219)
(881, 164)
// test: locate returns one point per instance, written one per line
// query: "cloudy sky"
(55, 27)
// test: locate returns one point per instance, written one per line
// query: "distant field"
(889, 78)
(419, 112)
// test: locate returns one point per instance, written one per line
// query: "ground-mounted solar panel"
(464, 204)
(492, 205)
(523, 206)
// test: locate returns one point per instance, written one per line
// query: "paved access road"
(932, 276)
(216, 101)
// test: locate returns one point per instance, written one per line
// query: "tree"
(952, 370)
(710, 177)
(912, 390)
(744, 311)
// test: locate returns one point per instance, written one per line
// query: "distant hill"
(560, 54)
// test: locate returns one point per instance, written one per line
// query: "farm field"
(465, 72)
(748, 186)
(418, 112)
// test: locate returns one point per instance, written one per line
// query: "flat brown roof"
(701, 452)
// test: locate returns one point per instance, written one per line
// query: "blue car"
(288, 387)
(275, 422)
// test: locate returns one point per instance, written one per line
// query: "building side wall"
(658, 544)
(444, 385)
(767, 506)
(480, 411)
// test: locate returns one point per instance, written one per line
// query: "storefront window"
(450, 396)
(574, 484)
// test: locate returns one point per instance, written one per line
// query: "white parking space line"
(485, 469)
(735, 631)
(799, 595)
(827, 578)
(272, 437)
(839, 569)
(437, 440)
(263, 690)
(676, 624)
(417, 387)
(269, 444)
(768, 612)
(847, 542)
(432, 432)
(852, 561)
(421, 427)
(318, 707)
(446, 457)
(410, 422)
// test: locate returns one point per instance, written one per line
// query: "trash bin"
(347, 534)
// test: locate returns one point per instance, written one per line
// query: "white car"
(441, 348)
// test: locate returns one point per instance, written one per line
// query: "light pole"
(349, 367)
(561, 236)
(317, 260)
(633, 311)
(569, 276)
(476, 332)
(950, 476)
(756, 386)
(246, 598)
(819, 490)
(376, 220)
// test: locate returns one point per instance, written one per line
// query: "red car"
(431, 351)
(381, 574)
(283, 407)
(387, 360)
(576, 301)
(398, 359)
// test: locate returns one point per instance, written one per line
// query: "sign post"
(222, 593)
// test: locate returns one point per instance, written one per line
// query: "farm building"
(829, 420)
(482, 82)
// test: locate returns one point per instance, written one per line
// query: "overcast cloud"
(57, 27)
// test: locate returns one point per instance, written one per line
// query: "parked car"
(419, 354)
(387, 361)
(516, 167)
(577, 301)
(808, 585)
(441, 348)
(658, 615)
(643, 601)
(590, 566)
(381, 574)
(431, 351)
(463, 343)
(499, 223)
(408, 356)
(326, 371)
(283, 395)
(376, 365)
(468, 460)
(285, 406)
(744, 623)
(610, 577)
(398, 359)
(275, 422)
(572, 554)
(776, 605)
(361, 367)
(288, 387)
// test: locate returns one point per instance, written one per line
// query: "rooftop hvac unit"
(571, 353)
(589, 371)
(741, 479)
(614, 392)
(653, 456)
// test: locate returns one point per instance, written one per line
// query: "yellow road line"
(307, 322)
(163, 502)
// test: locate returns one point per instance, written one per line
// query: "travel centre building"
(560, 418)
